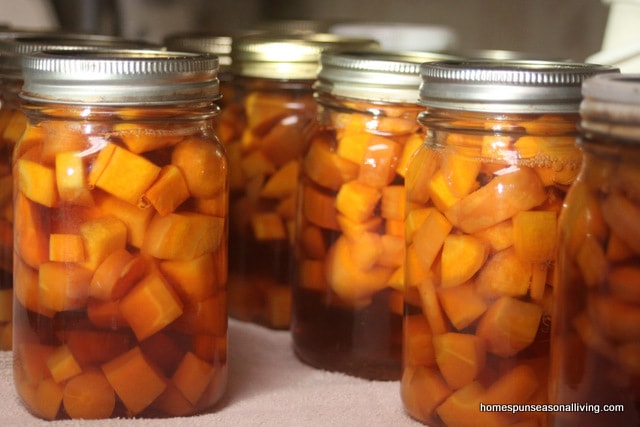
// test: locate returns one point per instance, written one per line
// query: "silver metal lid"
(12, 49)
(120, 77)
(374, 75)
(288, 56)
(511, 86)
(611, 106)
(204, 42)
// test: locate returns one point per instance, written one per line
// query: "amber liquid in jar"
(12, 124)
(483, 198)
(264, 167)
(120, 262)
(595, 357)
(350, 246)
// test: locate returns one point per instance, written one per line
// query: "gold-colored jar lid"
(202, 41)
(120, 77)
(288, 56)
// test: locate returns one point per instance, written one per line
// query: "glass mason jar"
(595, 338)
(483, 196)
(273, 76)
(13, 46)
(347, 301)
(121, 197)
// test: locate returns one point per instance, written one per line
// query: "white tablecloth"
(268, 386)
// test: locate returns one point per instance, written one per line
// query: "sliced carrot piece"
(183, 236)
(312, 242)
(462, 257)
(319, 208)
(378, 167)
(462, 408)
(283, 182)
(168, 192)
(150, 306)
(392, 205)
(431, 306)
(31, 360)
(37, 182)
(208, 316)
(353, 229)
(89, 396)
(440, 193)
(509, 326)
(90, 346)
(194, 280)
(135, 219)
(515, 386)
(418, 342)
(357, 201)
(504, 274)
(47, 399)
(66, 248)
(617, 319)
(499, 236)
(203, 165)
(122, 173)
(460, 173)
(105, 314)
(502, 198)
(423, 390)
(136, 382)
(268, 226)
(430, 237)
(140, 138)
(460, 357)
(192, 377)
(62, 364)
(325, 167)
(284, 142)
(418, 178)
(71, 179)
(117, 274)
(535, 235)
(31, 231)
(278, 306)
(462, 304)
(410, 146)
(63, 286)
(102, 236)
(173, 402)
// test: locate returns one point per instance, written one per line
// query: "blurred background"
(572, 29)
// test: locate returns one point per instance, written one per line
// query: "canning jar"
(347, 301)
(273, 76)
(483, 196)
(13, 46)
(120, 207)
(595, 337)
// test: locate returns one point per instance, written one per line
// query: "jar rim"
(510, 86)
(120, 76)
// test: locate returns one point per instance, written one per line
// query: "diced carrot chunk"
(32, 361)
(122, 173)
(535, 235)
(509, 326)
(91, 346)
(207, 316)
(462, 409)
(136, 382)
(393, 202)
(592, 261)
(502, 198)
(173, 402)
(284, 142)
(143, 138)
(117, 274)
(418, 178)
(268, 226)
(347, 279)
(278, 306)
(319, 208)
(31, 231)
(135, 219)
(460, 357)
(423, 390)
(66, 248)
(460, 173)
(418, 342)
(462, 304)
(194, 280)
(105, 314)
(379, 163)
(414, 271)
(47, 399)
(430, 237)
(102, 236)
(410, 146)
(192, 377)
(353, 229)
(353, 146)
(63, 286)
(283, 182)
(515, 386)
(89, 396)
(312, 242)
(538, 284)
(392, 251)
(504, 274)
(431, 306)
(357, 201)
(71, 179)
(168, 192)
(414, 220)
(499, 236)
(264, 109)
(394, 227)
(62, 364)
(37, 182)
(462, 257)
(183, 236)
(617, 319)
(325, 167)
(150, 306)
(312, 275)
(440, 194)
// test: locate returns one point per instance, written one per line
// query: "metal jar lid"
(611, 106)
(288, 56)
(512, 86)
(12, 49)
(120, 77)
(203, 42)
(374, 75)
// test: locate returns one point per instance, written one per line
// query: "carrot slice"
(136, 382)
(460, 357)
(89, 396)
(462, 257)
(192, 377)
(168, 192)
(203, 166)
(62, 364)
(37, 182)
(71, 179)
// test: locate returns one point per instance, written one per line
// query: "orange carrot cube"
(357, 201)
(101, 237)
(325, 167)
(283, 182)
(63, 286)
(460, 357)
(462, 257)
(504, 274)
(168, 192)
(430, 237)
(135, 219)
(462, 304)
(37, 182)
(71, 179)
(62, 364)
(535, 235)
(194, 280)
(66, 248)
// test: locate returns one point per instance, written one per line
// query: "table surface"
(268, 386)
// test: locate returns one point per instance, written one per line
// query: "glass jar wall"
(595, 341)
(347, 305)
(483, 196)
(120, 236)
(273, 77)
(13, 46)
